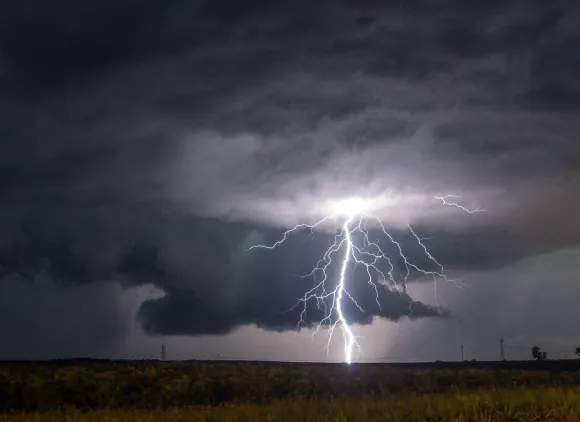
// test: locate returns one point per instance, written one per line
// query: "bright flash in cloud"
(355, 206)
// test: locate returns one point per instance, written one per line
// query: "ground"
(91, 390)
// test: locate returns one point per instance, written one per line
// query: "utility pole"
(163, 352)
(462, 360)
(501, 349)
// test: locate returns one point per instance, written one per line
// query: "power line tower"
(462, 360)
(163, 352)
(501, 349)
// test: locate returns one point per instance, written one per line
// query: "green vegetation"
(245, 391)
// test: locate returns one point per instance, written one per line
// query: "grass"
(150, 391)
(513, 405)
(42, 387)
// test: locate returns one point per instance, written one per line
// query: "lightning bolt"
(443, 199)
(367, 253)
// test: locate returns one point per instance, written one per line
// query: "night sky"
(145, 146)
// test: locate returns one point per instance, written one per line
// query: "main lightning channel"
(348, 334)
(370, 255)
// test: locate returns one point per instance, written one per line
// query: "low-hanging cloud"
(212, 283)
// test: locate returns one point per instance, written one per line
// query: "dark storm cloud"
(213, 284)
(137, 131)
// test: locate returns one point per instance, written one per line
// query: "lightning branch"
(379, 266)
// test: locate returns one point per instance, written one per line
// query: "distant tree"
(538, 354)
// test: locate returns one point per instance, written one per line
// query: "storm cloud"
(212, 283)
(153, 144)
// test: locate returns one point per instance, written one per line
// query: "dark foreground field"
(252, 391)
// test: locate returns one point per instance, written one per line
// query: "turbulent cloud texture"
(148, 143)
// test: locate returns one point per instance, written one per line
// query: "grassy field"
(249, 391)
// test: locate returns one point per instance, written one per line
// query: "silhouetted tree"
(538, 354)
